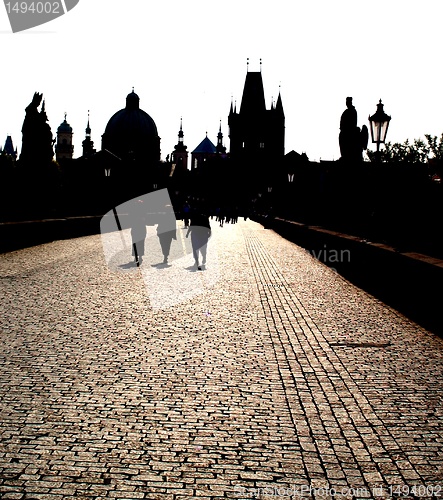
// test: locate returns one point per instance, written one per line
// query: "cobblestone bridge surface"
(279, 380)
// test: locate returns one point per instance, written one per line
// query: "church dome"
(131, 134)
(129, 123)
(131, 127)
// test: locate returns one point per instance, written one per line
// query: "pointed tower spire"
(219, 137)
(88, 144)
(220, 149)
(253, 98)
(180, 132)
(88, 128)
(180, 153)
(279, 105)
(9, 147)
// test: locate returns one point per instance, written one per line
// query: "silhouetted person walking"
(138, 232)
(200, 230)
(220, 217)
(166, 231)
(186, 214)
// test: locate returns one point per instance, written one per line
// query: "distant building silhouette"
(257, 135)
(8, 148)
(180, 153)
(207, 151)
(202, 153)
(64, 149)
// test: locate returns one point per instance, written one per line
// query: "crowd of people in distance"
(222, 214)
(227, 215)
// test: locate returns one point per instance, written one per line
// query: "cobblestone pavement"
(282, 380)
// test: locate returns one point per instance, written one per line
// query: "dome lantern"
(132, 100)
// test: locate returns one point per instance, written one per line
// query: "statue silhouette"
(352, 140)
(37, 142)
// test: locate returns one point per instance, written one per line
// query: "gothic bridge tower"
(257, 134)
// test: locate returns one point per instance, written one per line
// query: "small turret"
(64, 149)
(88, 144)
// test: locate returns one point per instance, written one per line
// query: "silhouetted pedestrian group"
(195, 221)
(227, 215)
(166, 230)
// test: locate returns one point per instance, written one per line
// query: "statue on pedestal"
(39, 176)
(352, 140)
(37, 142)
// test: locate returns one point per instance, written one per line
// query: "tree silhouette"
(417, 151)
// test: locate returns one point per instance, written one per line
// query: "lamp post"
(108, 169)
(270, 207)
(287, 201)
(379, 123)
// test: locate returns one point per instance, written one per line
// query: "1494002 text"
(33, 7)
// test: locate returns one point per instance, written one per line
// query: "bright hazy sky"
(188, 58)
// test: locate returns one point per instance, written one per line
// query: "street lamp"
(379, 123)
(108, 169)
